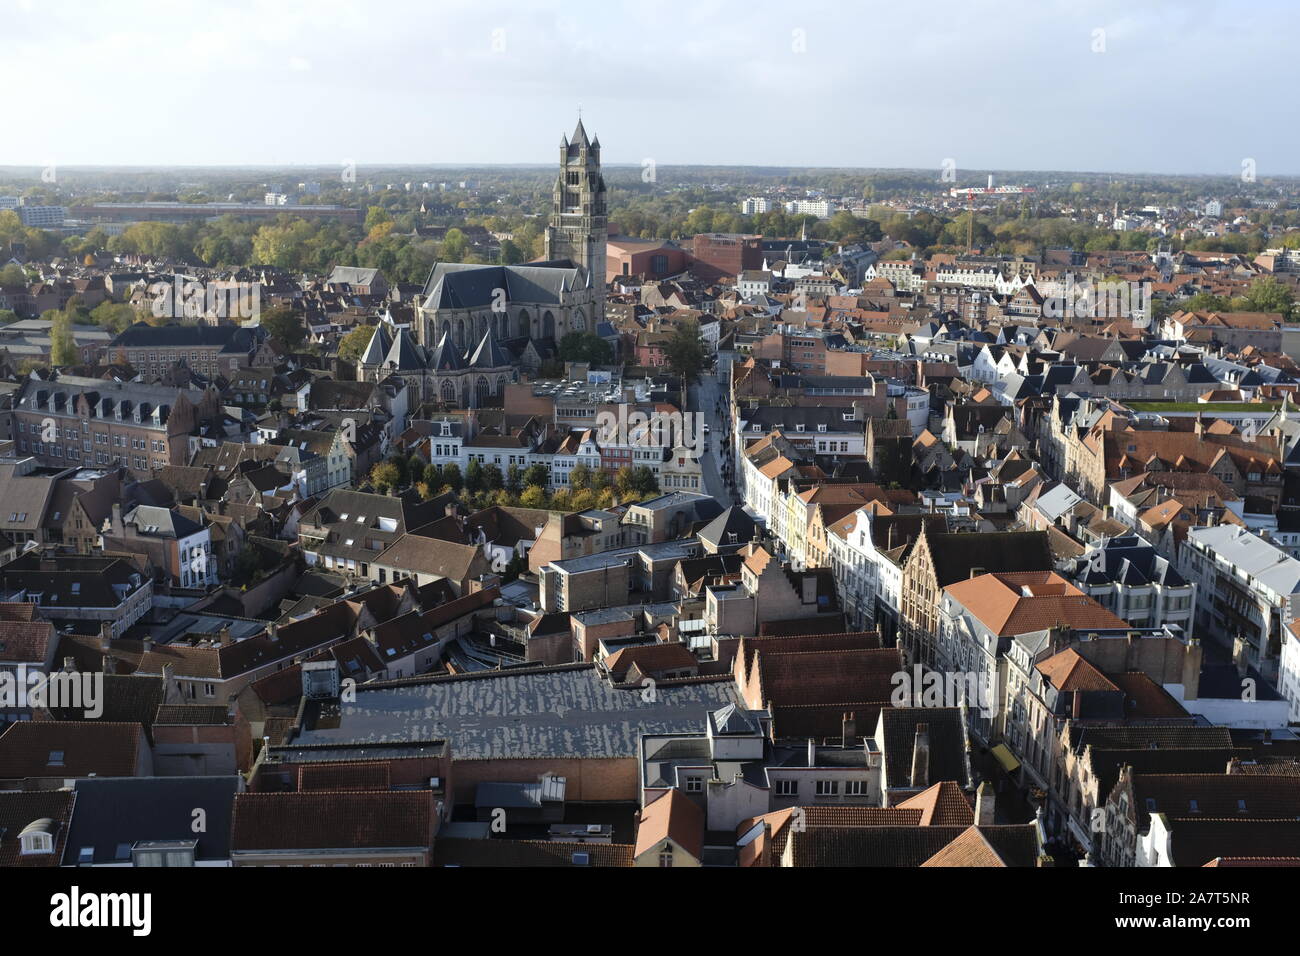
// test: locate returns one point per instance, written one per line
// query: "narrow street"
(704, 397)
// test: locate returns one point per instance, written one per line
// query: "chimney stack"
(1241, 656)
(69, 665)
(849, 731)
(1192, 657)
(812, 752)
(921, 757)
(984, 805)
(105, 636)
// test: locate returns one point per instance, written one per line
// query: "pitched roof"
(990, 847)
(333, 820)
(674, 816)
(955, 555)
(51, 810)
(943, 804)
(528, 853)
(66, 749)
(1023, 602)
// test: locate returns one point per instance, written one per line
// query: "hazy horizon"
(1048, 86)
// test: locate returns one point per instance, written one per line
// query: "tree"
(13, 275)
(433, 477)
(402, 464)
(385, 476)
(352, 345)
(377, 216)
(474, 478)
(538, 475)
(63, 349)
(1269, 295)
(534, 496)
(451, 476)
(285, 326)
(585, 347)
(514, 479)
(625, 482)
(685, 352)
(454, 247)
(643, 481)
(580, 478)
(493, 478)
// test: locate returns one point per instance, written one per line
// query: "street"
(704, 397)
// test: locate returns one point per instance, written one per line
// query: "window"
(828, 788)
(787, 788)
(666, 855)
(36, 841)
(694, 784)
(854, 788)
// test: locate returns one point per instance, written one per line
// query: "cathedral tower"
(578, 227)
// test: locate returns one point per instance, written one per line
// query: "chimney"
(812, 752)
(976, 572)
(921, 757)
(146, 644)
(1241, 655)
(105, 636)
(1192, 656)
(984, 805)
(848, 731)
(69, 665)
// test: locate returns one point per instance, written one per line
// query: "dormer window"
(36, 837)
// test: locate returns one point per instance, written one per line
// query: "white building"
(1246, 589)
(809, 207)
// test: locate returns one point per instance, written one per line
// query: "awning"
(1005, 758)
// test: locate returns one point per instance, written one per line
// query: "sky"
(1197, 86)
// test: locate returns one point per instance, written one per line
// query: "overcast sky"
(1176, 87)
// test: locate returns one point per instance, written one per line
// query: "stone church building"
(475, 325)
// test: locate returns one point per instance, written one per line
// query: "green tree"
(474, 479)
(63, 349)
(580, 478)
(451, 476)
(514, 479)
(585, 347)
(352, 345)
(285, 326)
(643, 482)
(685, 352)
(1269, 295)
(538, 475)
(13, 275)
